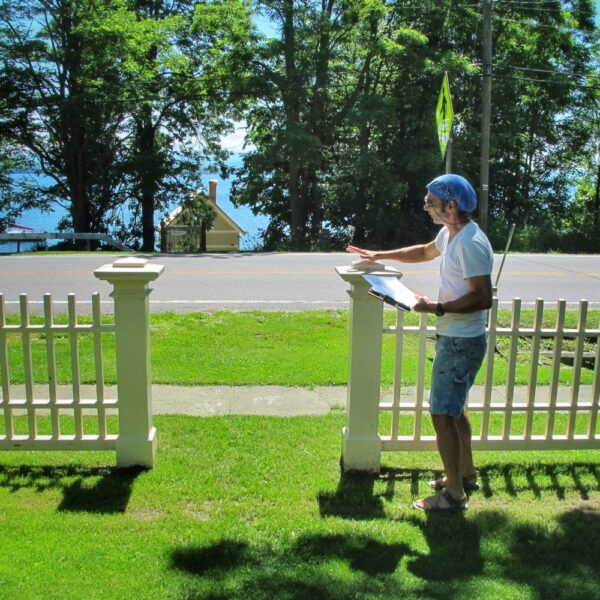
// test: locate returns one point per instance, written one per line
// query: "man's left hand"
(424, 305)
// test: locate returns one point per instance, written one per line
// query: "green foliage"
(58, 72)
(123, 103)
(544, 120)
(117, 104)
(344, 133)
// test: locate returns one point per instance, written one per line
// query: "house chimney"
(212, 190)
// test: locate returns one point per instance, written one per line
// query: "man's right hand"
(365, 254)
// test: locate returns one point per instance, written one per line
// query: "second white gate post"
(361, 443)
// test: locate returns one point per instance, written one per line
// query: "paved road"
(268, 281)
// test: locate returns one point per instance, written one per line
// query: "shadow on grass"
(480, 555)
(303, 570)
(356, 498)
(84, 489)
(558, 479)
(361, 496)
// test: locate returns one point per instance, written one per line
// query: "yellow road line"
(278, 272)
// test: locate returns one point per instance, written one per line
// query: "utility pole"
(486, 110)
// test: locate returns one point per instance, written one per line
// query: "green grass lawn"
(268, 348)
(256, 508)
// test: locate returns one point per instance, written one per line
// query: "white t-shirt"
(469, 254)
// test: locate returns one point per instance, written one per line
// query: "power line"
(522, 6)
(553, 81)
(533, 2)
(535, 70)
(540, 25)
(333, 86)
(567, 73)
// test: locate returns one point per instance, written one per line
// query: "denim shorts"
(457, 360)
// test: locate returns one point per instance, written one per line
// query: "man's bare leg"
(449, 447)
(465, 431)
(467, 468)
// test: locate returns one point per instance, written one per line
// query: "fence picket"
(27, 364)
(489, 371)
(397, 393)
(99, 364)
(556, 357)
(51, 362)
(75, 372)
(418, 429)
(512, 362)
(5, 372)
(595, 394)
(536, 338)
(577, 364)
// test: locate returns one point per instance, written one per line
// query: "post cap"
(129, 262)
(130, 269)
(352, 275)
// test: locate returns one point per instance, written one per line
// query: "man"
(465, 293)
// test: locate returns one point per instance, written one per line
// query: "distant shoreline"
(48, 221)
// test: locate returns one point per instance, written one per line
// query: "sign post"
(443, 117)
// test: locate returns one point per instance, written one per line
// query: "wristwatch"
(439, 310)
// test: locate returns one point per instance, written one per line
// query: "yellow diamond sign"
(444, 115)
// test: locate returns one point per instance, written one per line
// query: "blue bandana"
(454, 187)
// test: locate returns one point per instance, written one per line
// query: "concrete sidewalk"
(293, 401)
(213, 401)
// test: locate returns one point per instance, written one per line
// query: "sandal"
(441, 502)
(469, 483)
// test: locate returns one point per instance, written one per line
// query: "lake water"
(243, 216)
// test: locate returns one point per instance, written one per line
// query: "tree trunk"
(74, 159)
(596, 199)
(292, 114)
(147, 174)
(317, 119)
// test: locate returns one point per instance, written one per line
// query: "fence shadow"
(84, 489)
(539, 479)
(361, 496)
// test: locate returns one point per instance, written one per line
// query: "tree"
(61, 76)
(389, 149)
(542, 58)
(120, 103)
(344, 134)
(338, 137)
(294, 124)
(581, 227)
(187, 55)
(11, 202)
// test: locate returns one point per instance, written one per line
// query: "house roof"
(177, 211)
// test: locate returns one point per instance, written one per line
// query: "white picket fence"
(526, 420)
(79, 423)
(506, 417)
(59, 410)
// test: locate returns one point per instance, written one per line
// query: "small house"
(224, 235)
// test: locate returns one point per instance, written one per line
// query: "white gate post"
(361, 443)
(136, 443)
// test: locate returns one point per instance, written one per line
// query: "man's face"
(435, 208)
